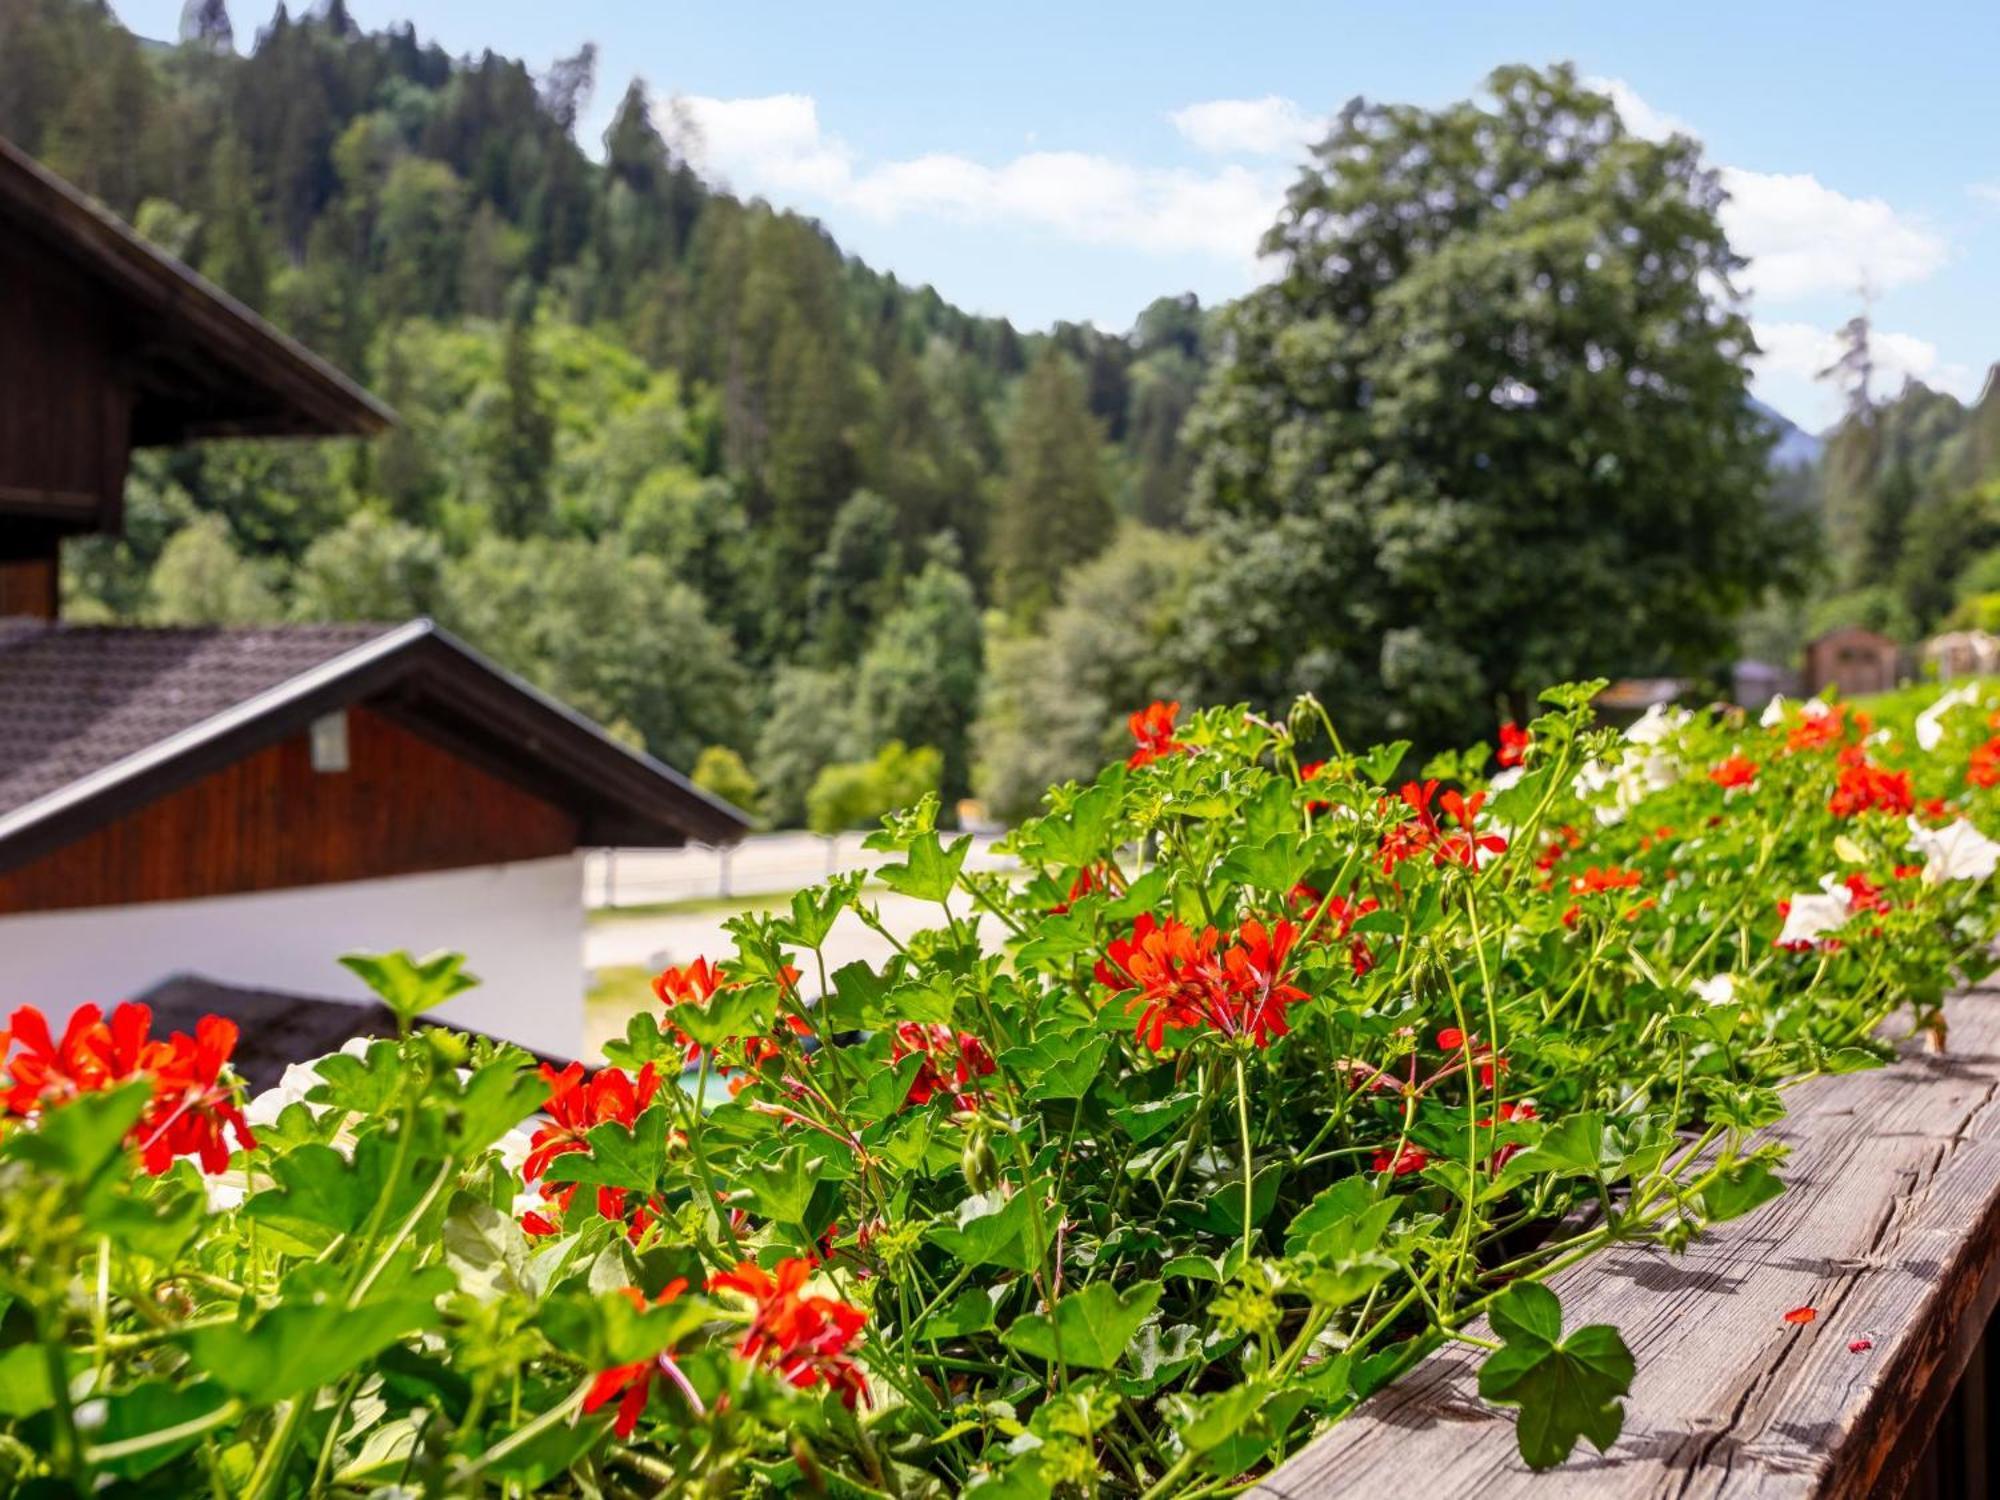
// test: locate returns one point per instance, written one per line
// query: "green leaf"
(410, 986)
(993, 1230)
(320, 1195)
(1084, 833)
(365, 1085)
(1577, 1145)
(1144, 1121)
(1348, 1198)
(1382, 761)
(1565, 1388)
(487, 1250)
(24, 1381)
(931, 871)
(299, 1346)
(971, 1311)
(1276, 865)
(739, 1010)
(83, 1139)
(1221, 1211)
(1090, 1329)
(1738, 1190)
(815, 909)
(634, 1159)
(1058, 1065)
(782, 1190)
(149, 1424)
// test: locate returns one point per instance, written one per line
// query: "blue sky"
(1050, 161)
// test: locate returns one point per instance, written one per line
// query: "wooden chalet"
(246, 805)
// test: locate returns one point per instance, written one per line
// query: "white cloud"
(1803, 237)
(1985, 192)
(1270, 126)
(1640, 117)
(1793, 354)
(777, 144)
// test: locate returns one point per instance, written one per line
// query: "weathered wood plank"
(1891, 1229)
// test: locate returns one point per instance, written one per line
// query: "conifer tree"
(1055, 507)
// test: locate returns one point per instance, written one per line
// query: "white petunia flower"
(1774, 712)
(1816, 708)
(1930, 723)
(1815, 913)
(1718, 989)
(1957, 852)
(1656, 723)
(1504, 779)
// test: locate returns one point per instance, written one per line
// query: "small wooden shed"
(1853, 660)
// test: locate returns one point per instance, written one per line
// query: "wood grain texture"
(271, 822)
(1890, 1228)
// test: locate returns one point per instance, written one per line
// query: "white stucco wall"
(520, 927)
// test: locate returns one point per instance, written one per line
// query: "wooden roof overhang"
(423, 677)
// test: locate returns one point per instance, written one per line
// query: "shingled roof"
(99, 720)
(276, 1029)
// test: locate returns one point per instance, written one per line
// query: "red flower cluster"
(1153, 732)
(191, 1112)
(1596, 882)
(696, 984)
(952, 1060)
(1983, 769)
(575, 1106)
(1864, 787)
(1187, 979)
(1089, 880)
(1738, 770)
(632, 1384)
(801, 1335)
(1402, 1163)
(1514, 742)
(1829, 728)
(1341, 915)
(1424, 833)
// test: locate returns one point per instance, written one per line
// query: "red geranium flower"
(1092, 877)
(1185, 979)
(1984, 767)
(191, 1105)
(1738, 770)
(801, 1335)
(577, 1104)
(1864, 786)
(952, 1060)
(192, 1111)
(1402, 1163)
(632, 1384)
(1514, 742)
(1153, 732)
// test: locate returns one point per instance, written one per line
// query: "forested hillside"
(656, 442)
(1908, 489)
(676, 458)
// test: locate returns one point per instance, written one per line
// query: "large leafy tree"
(1488, 426)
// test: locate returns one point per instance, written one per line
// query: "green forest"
(825, 538)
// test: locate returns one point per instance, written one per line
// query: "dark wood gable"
(402, 805)
(106, 344)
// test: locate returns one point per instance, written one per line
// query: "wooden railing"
(1890, 1230)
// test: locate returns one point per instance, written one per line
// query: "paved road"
(761, 864)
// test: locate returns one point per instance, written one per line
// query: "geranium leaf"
(1738, 1190)
(410, 986)
(299, 1346)
(931, 870)
(1566, 1388)
(632, 1158)
(993, 1229)
(1089, 1329)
